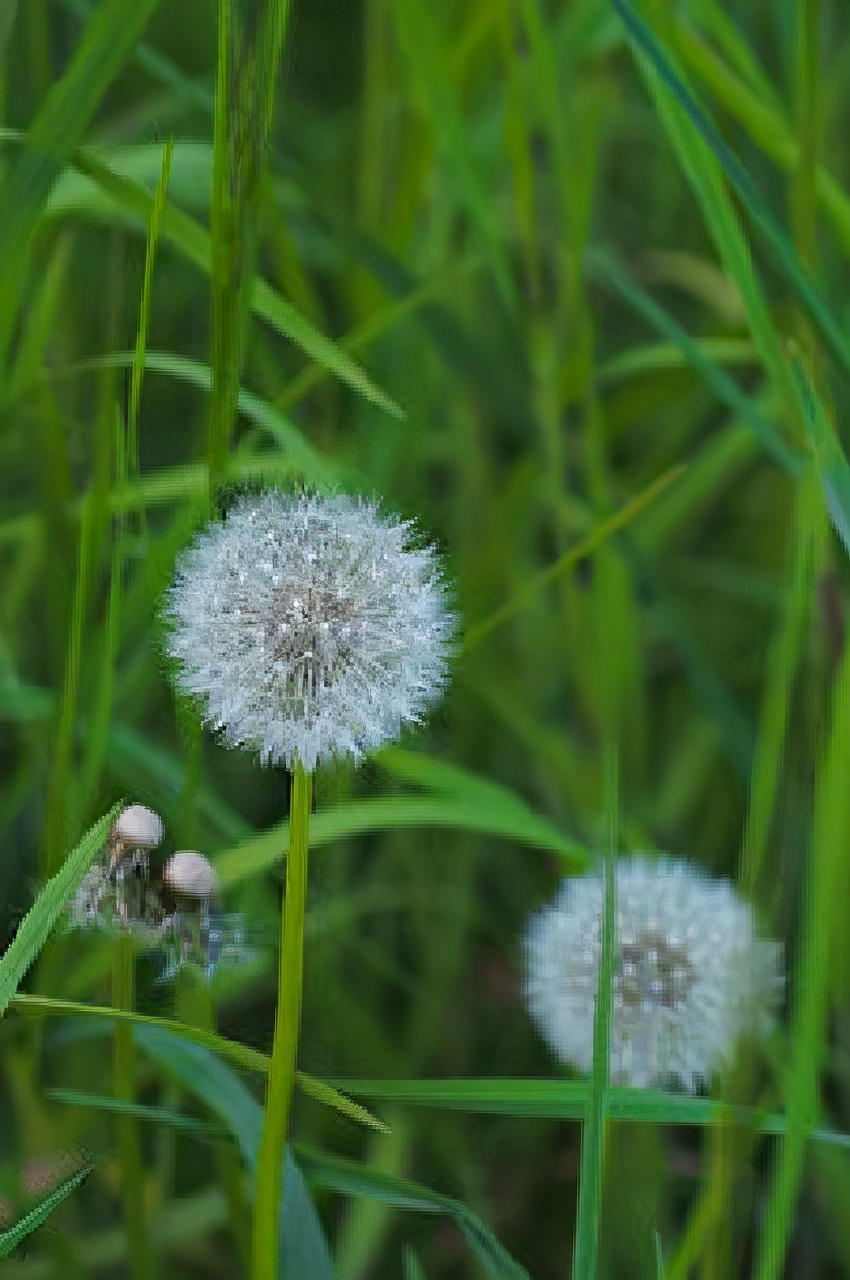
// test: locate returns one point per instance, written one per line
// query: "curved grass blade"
(36, 925)
(33, 1219)
(509, 819)
(304, 1250)
(350, 1178)
(159, 1115)
(230, 1050)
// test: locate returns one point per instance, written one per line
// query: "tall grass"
(564, 280)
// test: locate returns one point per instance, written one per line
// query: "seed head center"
(309, 636)
(652, 970)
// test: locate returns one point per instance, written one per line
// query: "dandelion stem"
(132, 1173)
(281, 1079)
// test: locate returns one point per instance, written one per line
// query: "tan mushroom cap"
(140, 827)
(189, 874)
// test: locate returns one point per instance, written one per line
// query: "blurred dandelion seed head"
(690, 974)
(309, 626)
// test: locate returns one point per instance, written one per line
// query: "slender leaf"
(36, 925)
(354, 1179)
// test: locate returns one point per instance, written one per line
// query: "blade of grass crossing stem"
(807, 539)
(194, 242)
(33, 1218)
(127, 470)
(250, 43)
(304, 1251)
(349, 1178)
(511, 821)
(647, 46)
(240, 1055)
(593, 1134)
(60, 124)
(281, 1079)
(824, 917)
(36, 925)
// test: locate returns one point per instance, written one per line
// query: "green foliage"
(565, 281)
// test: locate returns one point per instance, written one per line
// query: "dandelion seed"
(690, 975)
(309, 626)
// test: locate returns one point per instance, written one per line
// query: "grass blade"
(33, 1219)
(350, 1178)
(787, 259)
(107, 42)
(36, 925)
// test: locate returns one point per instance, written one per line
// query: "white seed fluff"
(690, 975)
(309, 626)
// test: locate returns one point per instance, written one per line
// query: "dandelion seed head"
(690, 974)
(309, 626)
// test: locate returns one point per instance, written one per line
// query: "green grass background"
(566, 281)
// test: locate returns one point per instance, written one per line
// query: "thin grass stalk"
(281, 1080)
(124, 1067)
(593, 1136)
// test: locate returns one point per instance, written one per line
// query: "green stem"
(132, 1173)
(281, 1079)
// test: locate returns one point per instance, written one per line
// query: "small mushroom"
(189, 882)
(190, 875)
(136, 830)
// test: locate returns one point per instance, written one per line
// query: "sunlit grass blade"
(569, 1100)
(36, 925)
(349, 1178)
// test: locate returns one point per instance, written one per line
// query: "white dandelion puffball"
(690, 975)
(309, 626)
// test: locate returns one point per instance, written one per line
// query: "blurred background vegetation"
(562, 333)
